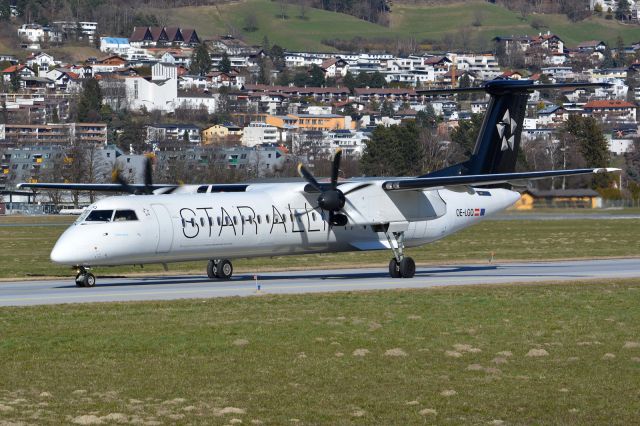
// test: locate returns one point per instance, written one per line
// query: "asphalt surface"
(186, 287)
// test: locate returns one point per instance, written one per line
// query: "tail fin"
(496, 149)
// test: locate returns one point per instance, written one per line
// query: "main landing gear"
(400, 266)
(84, 278)
(219, 268)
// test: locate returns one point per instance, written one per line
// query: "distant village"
(260, 109)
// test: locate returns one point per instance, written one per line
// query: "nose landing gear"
(84, 278)
(219, 268)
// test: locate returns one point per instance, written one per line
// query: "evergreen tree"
(277, 57)
(264, 71)
(466, 133)
(620, 55)
(90, 102)
(200, 60)
(427, 118)
(284, 78)
(316, 76)
(387, 109)
(14, 80)
(393, 151)
(5, 10)
(266, 45)
(586, 135)
(377, 80)
(623, 10)
(349, 81)
(225, 63)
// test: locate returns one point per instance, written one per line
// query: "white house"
(41, 59)
(117, 45)
(158, 95)
(258, 133)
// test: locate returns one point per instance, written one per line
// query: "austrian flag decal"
(478, 212)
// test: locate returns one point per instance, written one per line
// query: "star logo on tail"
(506, 130)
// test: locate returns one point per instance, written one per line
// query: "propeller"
(116, 177)
(331, 198)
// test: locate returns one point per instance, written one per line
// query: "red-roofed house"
(611, 111)
(22, 71)
(335, 67)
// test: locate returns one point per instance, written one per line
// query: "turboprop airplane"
(219, 223)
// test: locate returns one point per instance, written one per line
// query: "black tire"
(224, 269)
(211, 270)
(394, 269)
(407, 267)
(79, 280)
(89, 280)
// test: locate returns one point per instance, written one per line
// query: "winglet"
(607, 170)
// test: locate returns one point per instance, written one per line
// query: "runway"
(295, 282)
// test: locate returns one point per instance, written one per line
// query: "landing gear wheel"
(89, 280)
(80, 279)
(407, 268)
(211, 269)
(394, 268)
(224, 269)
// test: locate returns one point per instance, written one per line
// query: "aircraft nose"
(63, 252)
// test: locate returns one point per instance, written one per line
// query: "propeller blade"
(335, 169)
(357, 188)
(308, 176)
(116, 177)
(148, 175)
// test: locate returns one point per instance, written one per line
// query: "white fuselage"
(267, 220)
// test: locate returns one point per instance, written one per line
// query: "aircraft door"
(165, 228)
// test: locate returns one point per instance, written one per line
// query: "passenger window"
(202, 221)
(210, 220)
(313, 216)
(235, 220)
(267, 218)
(99, 216)
(259, 221)
(291, 216)
(202, 189)
(218, 220)
(284, 218)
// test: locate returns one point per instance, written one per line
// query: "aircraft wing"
(97, 187)
(480, 180)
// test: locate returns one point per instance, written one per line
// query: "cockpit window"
(99, 216)
(124, 215)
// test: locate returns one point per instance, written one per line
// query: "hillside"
(468, 25)
(407, 22)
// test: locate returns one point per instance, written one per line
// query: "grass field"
(543, 354)
(407, 21)
(25, 247)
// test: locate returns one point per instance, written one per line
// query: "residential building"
(163, 36)
(36, 34)
(259, 133)
(173, 133)
(116, 45)
(611, 111)
(83, 30)
(61, 134)
(221, 133)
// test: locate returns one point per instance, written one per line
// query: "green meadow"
(513, 354)
(408, 21)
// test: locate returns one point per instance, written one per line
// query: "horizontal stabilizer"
(481, 180)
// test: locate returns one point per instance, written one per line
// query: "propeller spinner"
(331, 199)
